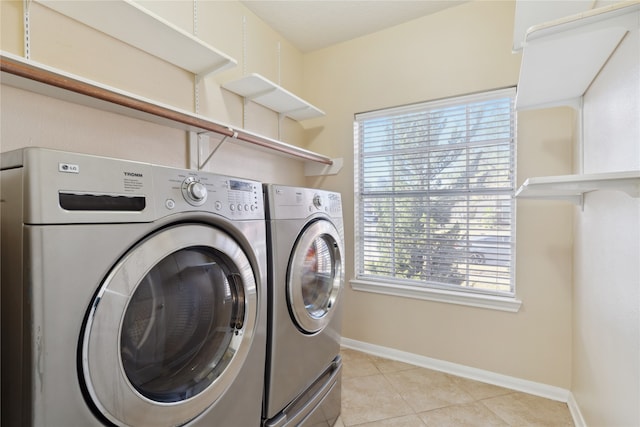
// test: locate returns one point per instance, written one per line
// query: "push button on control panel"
(243, 198)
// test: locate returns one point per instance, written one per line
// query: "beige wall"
(34, 120)
(606, 361)
(461, 50)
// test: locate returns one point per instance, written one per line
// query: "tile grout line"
(379, 365)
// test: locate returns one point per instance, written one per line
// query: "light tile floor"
(378, 392)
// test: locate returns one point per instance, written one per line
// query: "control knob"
(194, 191)
(317, 201)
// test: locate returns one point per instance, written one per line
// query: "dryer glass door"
(170, 327)
(315, 276)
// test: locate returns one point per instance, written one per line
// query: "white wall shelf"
(530, 13)
(48, 81)
(573, 187)
(561, 58)
(137, 26)
(258, 89)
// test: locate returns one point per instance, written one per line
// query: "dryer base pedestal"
(318, 406)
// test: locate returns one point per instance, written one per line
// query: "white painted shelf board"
(139, 27)
(561, 58)
(573, 187)
(258, 89)
(39, 78)
(530, 13)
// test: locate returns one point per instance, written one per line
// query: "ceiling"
(314, 24)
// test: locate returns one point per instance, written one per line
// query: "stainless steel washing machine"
(132, 294)
(305, 280)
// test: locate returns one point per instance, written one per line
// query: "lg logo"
(68, 168)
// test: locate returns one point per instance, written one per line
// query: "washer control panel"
(231, 197)
(74, 188)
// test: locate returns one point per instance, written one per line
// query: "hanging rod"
(35, 77)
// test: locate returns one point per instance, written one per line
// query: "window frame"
(506, 301)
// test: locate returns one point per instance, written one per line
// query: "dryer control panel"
(297, 203)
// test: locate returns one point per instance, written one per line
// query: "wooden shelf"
(38, 78)
(560, 59)
(258, 89)
(573, 187)
(135, 25)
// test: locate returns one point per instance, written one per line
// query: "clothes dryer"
(132, 294)
(305, 280)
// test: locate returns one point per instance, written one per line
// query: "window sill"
(451, 297)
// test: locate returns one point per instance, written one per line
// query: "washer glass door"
(170, 327)
(315, 276)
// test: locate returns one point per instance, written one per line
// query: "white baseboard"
(517, 384)
(578, 419)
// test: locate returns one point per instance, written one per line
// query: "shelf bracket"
(213, 69)
(197, 147)
(286, 113)
(315, 169)
(258, 94)
(633, 190)
(294, 110)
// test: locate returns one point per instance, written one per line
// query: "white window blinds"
(434, 191)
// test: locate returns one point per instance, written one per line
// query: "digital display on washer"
(240, 185)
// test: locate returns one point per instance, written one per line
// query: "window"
(434, 186)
